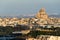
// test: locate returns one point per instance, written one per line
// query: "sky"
(28, 7)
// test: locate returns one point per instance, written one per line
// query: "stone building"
(42, 14)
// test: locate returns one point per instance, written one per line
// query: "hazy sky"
(24, 7)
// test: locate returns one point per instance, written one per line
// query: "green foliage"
(9, 29)
(6, 30)
(36, 33)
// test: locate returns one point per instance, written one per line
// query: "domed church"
(41, 14)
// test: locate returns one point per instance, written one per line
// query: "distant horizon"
(28, 7)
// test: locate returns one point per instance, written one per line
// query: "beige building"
(40, 18)
(42, 14)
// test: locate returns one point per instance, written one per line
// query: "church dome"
(42, 10)
(42, 14)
